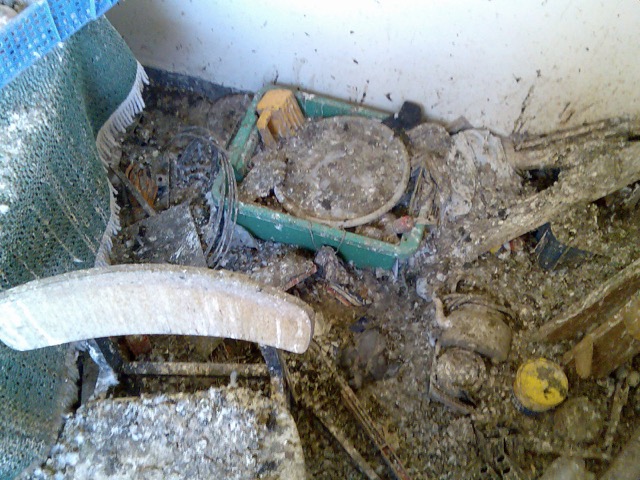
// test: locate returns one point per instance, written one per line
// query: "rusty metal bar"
(345, 443)
(194, 369)
(366, 422)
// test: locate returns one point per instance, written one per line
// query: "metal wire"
(223, 195)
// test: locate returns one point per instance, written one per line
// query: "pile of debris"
(530, 253)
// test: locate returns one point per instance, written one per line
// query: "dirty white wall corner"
(522, 66)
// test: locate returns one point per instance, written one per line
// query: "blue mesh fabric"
(40, 27)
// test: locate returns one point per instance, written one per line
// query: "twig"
(620, 398)
(537, 446)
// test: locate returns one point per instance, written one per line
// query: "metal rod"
(195, 369)
(364, 419)
(108, 357)
(346, 444)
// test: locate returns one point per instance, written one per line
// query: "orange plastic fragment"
(280, 116)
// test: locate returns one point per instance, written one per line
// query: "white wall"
(508, 65)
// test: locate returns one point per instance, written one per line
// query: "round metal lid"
(343, 171)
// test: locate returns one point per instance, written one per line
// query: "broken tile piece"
(169, 237)
(231, 433)
(267, 172)
(286, 273)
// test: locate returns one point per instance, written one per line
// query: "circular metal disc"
(343, 171)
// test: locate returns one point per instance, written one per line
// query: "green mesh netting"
(35, 390)
(56, 208)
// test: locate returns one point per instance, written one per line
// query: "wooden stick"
(610, 345)
(590, 180)
(603, 128)
(620, 398)
(545, 448)
(600, 304)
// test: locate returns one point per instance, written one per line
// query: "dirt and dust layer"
(387, 346)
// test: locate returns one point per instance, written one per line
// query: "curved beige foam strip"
(152, 299)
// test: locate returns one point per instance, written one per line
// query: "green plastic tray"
(280, 227)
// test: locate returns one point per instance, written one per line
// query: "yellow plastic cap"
(540, 385)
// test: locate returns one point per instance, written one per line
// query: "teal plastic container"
(280, 227)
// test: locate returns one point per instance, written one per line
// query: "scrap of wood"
(596, 176)
(152, 299)
(611, 343)
(603, 128)
(583, 356)
(344, 296)
(567, 148)
(141, 179)
(602, 303)
(327, 420)
(541, 447)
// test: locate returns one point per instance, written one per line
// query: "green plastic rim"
(271, 225)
